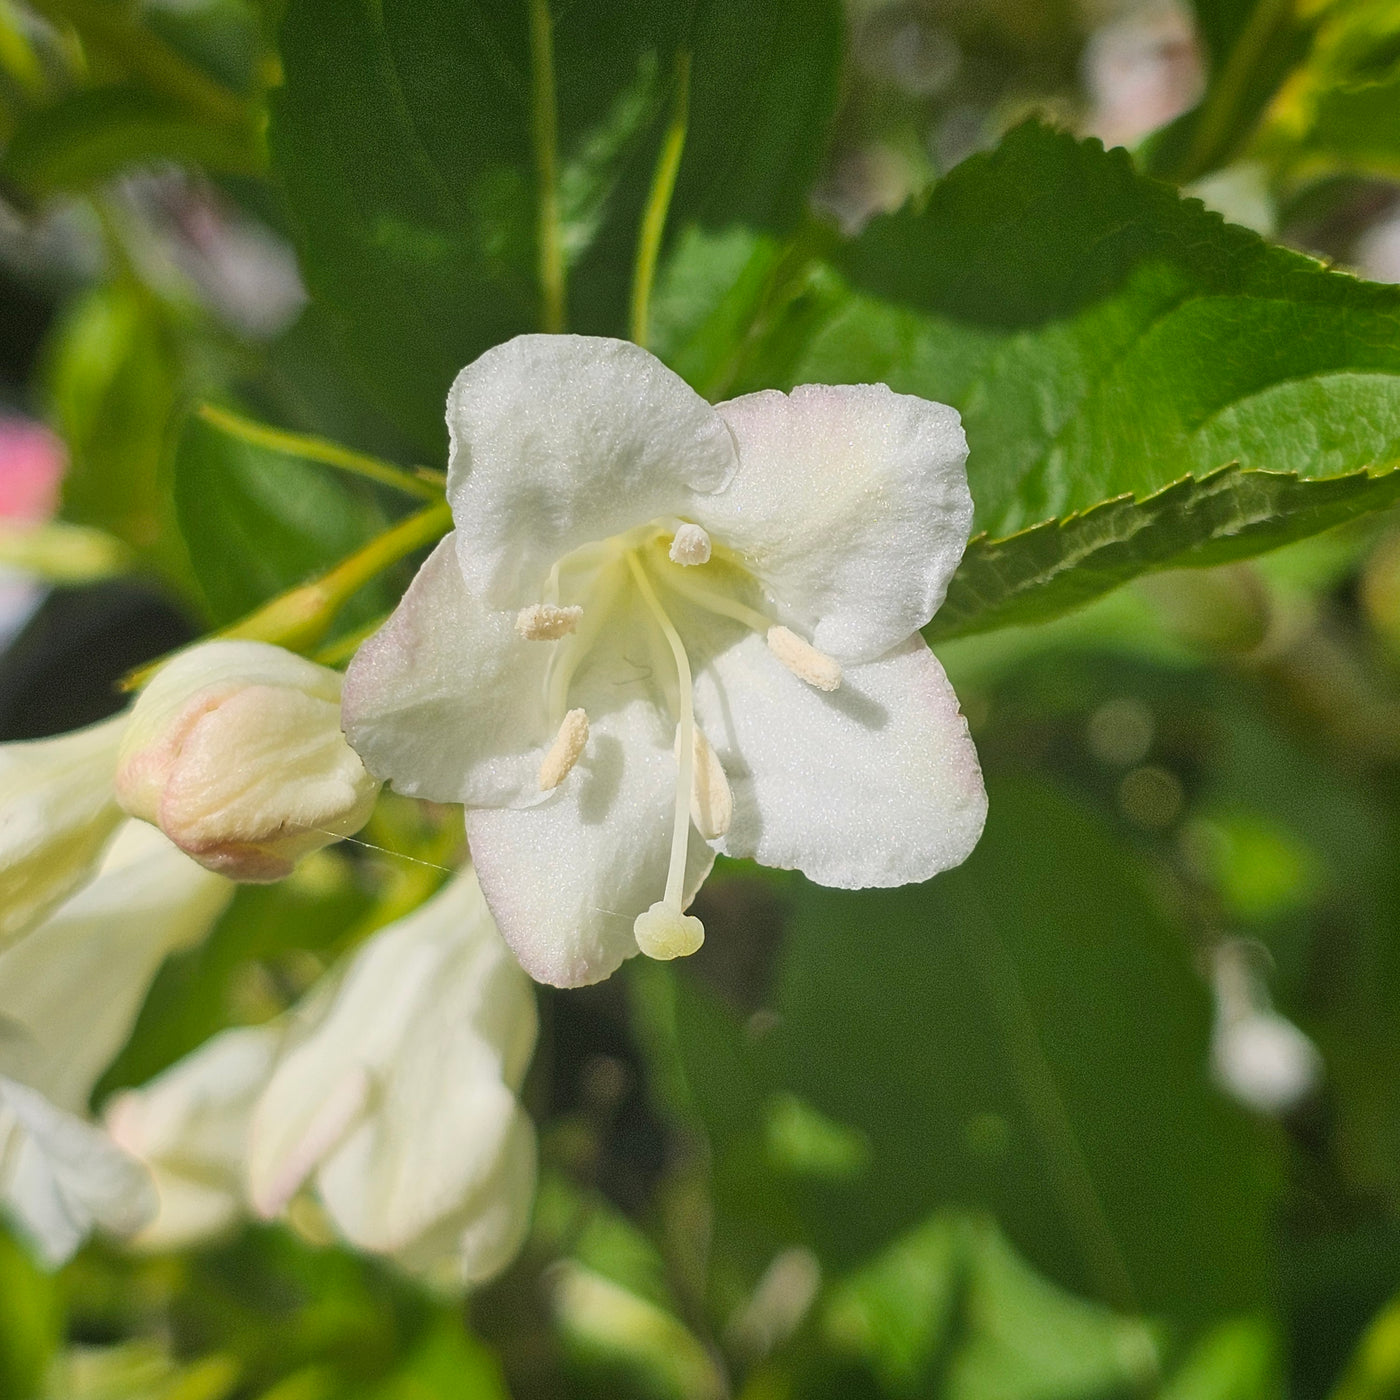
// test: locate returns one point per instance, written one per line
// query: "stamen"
(691, 545)
(664, 932)
(803, 659)
(338, 1112)
(546, 622)
(686, 585)
(665, 927)
(564, 752)
(711, 801)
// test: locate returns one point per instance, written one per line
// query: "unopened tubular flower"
(234, 750)
(394, 1099)
(57, 812)
(69, 995)
(663, 629)
(189, 1127)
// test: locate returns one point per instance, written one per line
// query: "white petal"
(566, 879)
(57, 811)
(63, 1176)
(70, 992)
(486, 1232)
(417, 1160)
(189, 1126)
(437, 1020)
(874, 784)
(850, 505)
(446, 701)
(559, 440)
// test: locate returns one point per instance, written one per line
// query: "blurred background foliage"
(1112, 1110)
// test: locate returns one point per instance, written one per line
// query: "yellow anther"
(546, 622)
(663, 932)
(691, 545)
(803, 659)
(564, 752)
(711, 801)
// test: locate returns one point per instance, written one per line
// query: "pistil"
(665, 930)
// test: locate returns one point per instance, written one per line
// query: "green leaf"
(258, 521)
(1342, 112)
(116, 375)
(1028, 1036)
(1103, 336)
(1058, 565)
(951, 1309)
(89, 136)
(448, 1364)
(1238, 1360)
(404, 138)
(31, 1322)
(1252, 46)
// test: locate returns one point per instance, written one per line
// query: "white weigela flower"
(395, 1097)
(189, 1127)
(655, 615)
(234, 750)
(57, 811)
(69, 995)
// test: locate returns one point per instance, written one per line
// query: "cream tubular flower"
(663, 629)
(69, 995)
(57, 811)
(234, 750)
(395, 1100)
(189, 1127)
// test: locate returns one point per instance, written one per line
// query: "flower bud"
(234, 750)
(57, 811)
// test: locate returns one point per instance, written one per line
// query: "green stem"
(1222, 114)
(551, 246)
(301, 617)
(315, 449)
(663, 186)
(150, 57)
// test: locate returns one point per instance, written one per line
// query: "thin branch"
(663, 186)
(420, 483)
(544, 100)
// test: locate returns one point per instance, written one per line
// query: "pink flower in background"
(32, 463)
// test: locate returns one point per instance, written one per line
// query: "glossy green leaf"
(1103, 336)
(89, 136)
(1058, 565)
(259, 521)
(405, 136)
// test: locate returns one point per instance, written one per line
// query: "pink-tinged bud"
(234, 751)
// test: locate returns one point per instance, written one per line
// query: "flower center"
(600, 575)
